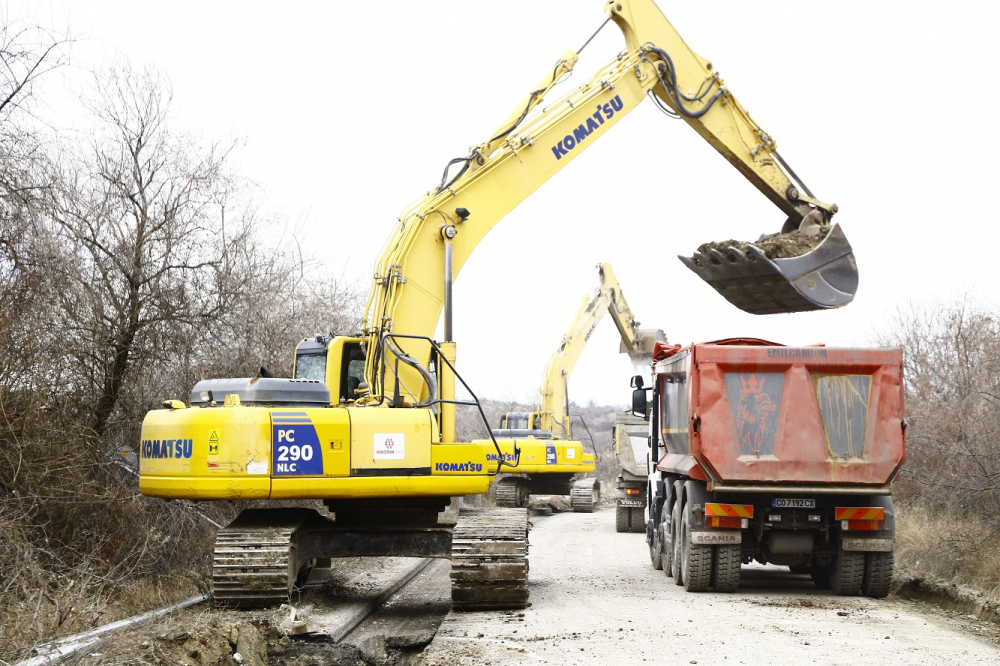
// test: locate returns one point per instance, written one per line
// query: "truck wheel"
(878, 574)
(821, 577)
(696, 561)
(622, 515)
(726, 570)
(667, 556)
(656, 548)
(637, 523)
(847, 572)
(675, 544)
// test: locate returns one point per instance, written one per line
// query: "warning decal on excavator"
(296, 449)
(213, 444)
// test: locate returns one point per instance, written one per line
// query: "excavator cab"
(337, 361)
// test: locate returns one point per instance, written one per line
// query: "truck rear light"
(730, 522)
(633, 491)
(730, 510)
(859, 525)
(774, 518)
(814, 518)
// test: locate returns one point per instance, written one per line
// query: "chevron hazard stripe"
(859, 513)
(731, 510)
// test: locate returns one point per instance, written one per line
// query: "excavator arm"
(434, 237)
(553, 402)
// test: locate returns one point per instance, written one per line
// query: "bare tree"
(948, 494)
(952, 371)
(154, 236)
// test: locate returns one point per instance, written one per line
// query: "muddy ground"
(594, 600)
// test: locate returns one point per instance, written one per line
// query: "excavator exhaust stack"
(826, 277)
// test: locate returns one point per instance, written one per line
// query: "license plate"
(793, 503)
(877, 545)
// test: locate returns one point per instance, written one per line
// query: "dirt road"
(596, 600)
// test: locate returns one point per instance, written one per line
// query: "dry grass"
(953, 549)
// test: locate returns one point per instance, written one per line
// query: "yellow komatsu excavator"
(367, 424)
(549, 456)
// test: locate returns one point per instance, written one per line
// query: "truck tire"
(638, 526)
(656, 548)
(622, 518)
(878, 574)
(821, 577)
(847, 573)
(726, 569)
(675, 544)
(696, 561)
(667, 554)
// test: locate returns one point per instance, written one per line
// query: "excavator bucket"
(825, 277)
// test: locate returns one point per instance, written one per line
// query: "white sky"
(351, 110)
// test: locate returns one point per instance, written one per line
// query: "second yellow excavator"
(550, 457)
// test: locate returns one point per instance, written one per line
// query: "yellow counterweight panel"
(217, 453)
(260, 453)
(311, 442)
(540, 456)
(391, 439)
(455, 469)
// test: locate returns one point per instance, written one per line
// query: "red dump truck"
(775, 454)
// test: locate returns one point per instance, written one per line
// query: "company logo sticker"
(389, 446)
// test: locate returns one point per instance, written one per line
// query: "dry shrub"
(78, 545)
(90, 341)
(948, 494)
(944, 547)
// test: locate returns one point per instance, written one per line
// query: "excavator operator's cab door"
(339, 362)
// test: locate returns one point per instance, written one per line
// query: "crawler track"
(508, 492)
(489, 562)
(254, 565)
(585, 495)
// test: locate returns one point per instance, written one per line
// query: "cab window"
(310, 366)
(353, 369)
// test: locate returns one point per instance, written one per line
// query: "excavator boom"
(540, 137)
(607, 298)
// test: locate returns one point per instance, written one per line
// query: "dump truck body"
(630, 440)
(783, 455)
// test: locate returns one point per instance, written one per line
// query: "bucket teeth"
(824, 278)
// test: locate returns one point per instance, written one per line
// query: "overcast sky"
(349, 112)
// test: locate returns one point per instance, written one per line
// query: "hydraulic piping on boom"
(549, 455)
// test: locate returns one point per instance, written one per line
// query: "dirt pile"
(240, 638)
(775, 246)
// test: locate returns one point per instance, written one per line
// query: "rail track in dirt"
(362, 609)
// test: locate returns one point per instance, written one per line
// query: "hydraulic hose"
(671, 87)
(415, 364)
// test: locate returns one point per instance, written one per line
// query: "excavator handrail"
(439, 401)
